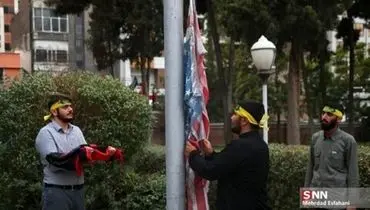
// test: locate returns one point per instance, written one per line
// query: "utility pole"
(175, 138)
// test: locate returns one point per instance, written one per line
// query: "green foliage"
(140, 186)
(107, 112)
(104, 32)
(215, 111)
(150, 160)
(247, 83)
(287, 174)
(338, 87)
(127, 190)
(242, 17)
(149, 194)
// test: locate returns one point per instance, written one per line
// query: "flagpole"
(174, 84)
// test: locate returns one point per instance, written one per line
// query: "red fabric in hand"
(92, 153)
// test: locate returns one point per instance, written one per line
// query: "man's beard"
(328, 126)
(235, 128)
(63, 118)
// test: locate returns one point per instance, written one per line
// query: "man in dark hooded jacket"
(241, 168)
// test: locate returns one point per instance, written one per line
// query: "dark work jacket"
(241, 171)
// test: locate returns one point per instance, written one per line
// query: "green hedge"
(150, 160)
(287, 173)
(107, 112)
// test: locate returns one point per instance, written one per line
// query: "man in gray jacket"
(62, 187)
(333, 159)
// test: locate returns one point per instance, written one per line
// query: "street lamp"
(263, 55)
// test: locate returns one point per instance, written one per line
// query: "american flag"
(196, 96)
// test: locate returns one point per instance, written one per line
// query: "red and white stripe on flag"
(196, 186)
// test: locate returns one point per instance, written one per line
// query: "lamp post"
(263, 56)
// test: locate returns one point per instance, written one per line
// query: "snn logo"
(314, 195)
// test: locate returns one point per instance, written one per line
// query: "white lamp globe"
(263, 54)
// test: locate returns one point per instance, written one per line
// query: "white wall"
(124, 72)
(25, 59)
(127, 75)
(50, 45)
(16, 6)
(2, 32)
(38, 3)
(50, 67)
(158, 62)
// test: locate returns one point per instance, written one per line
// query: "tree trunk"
(278, 111)
(143, 75)
(351, 75)
(323, 78)
(322, 61)
(227, 98)
(220, 72)
(293, 127)
(308, 96)
(147, 75)
(111, 62)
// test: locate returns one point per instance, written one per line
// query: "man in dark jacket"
(242, 167)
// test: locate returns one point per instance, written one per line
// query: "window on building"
(38, 24)
(6, 28)
(79, 57)
(80, 64)
(1, 74)
(46, 25)
(78, 43)
(41, 55)
(8, 9)
(63, 24)
(46, 20)
(7, 47)
(61, 56)
(37, 12)
(79, 19)
(53, 56)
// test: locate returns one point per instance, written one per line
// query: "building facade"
(10, 66)
(51, 42)
(8, 8)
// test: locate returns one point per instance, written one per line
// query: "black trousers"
(62, 199)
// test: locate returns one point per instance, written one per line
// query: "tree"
(279, 21)
(223, 75)
(247, 84)
(104, 34)
(121, 29)
(318, 48)
(350, 35)
(339, 91)
(105, 27)
(145, 35)
(230, 15)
